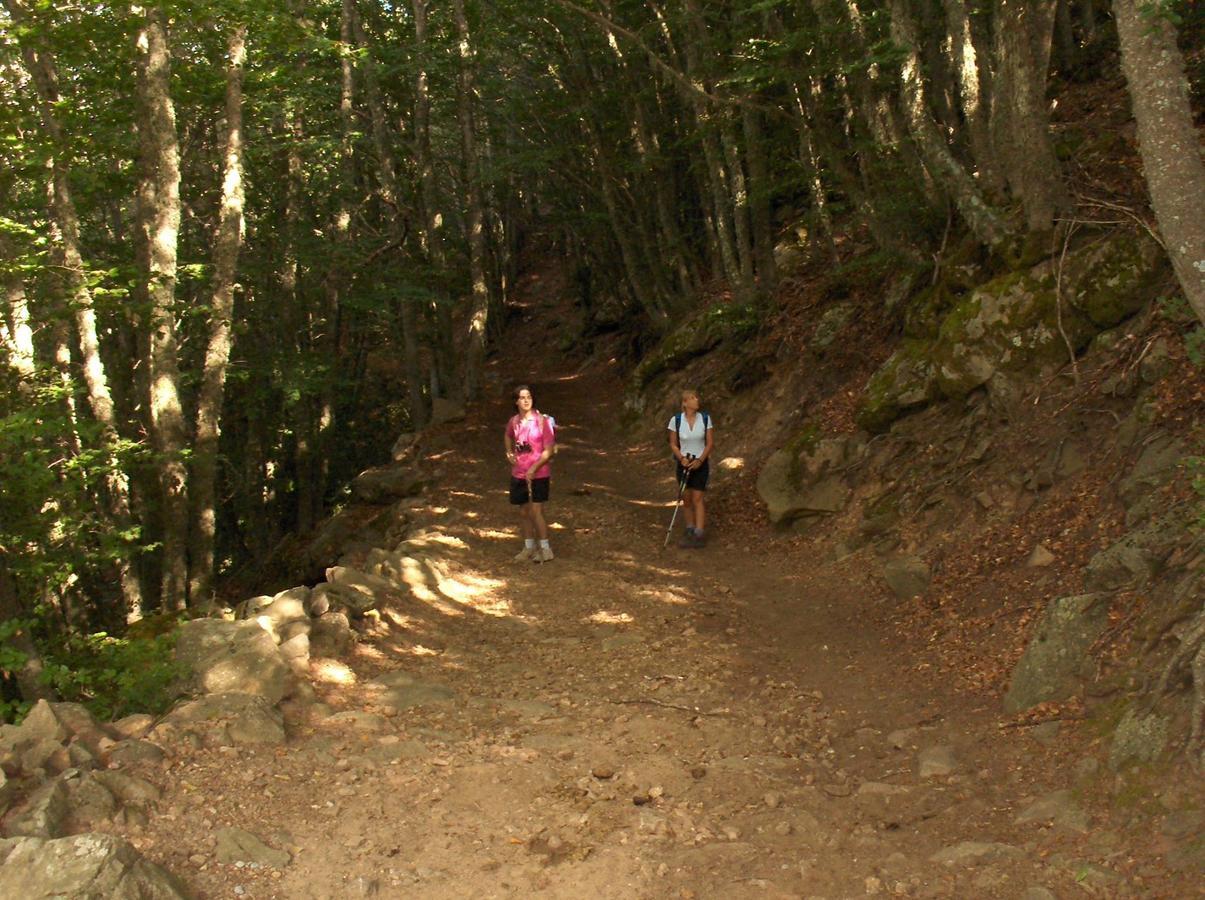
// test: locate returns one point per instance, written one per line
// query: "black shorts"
(518, 490)
(696, 480)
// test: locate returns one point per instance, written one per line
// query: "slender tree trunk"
(973, 94)
(1167, 140)
(228, 242)
(635, 280)
(479, 308)
(430, 229)
(759, 201)
(979, 216)
(740, 203)
(391, 201)
(66, 234)
(16, 335)
(161, 148)
(1021, 127)
(1064, 32)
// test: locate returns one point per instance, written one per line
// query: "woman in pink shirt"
(529, 444)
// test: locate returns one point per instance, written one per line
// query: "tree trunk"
(161, 149)
(66, 234)
(16, 336)
(954, 179)
(1021, 124)
(228, 243)
(29, 674)
(430, 235)
(1167, 140)
(479, 308)
(759, 201)
(740, 204)
(973, 94)
(391, 203)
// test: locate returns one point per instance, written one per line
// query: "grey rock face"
(1049, 669)
(808, 482)
(907, 576)
(44, 814)
(83, 867)
(387, 483)
(232, 656)
(331, 635)
(225, 718)
(1138, 739)
(974, 853)
(236, 845)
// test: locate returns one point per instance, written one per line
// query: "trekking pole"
(677, 506)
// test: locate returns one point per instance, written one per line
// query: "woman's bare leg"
(538, 525)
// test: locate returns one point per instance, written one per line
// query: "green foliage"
(113, 676)
(1194, 344)
(1196, 473)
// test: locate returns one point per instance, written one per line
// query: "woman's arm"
(707, 449)
(674, 446)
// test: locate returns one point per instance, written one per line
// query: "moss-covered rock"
(805, 478)
(1019, 324)
(695, 337)
(905, 381)
(1050, 668)
(1112, 280)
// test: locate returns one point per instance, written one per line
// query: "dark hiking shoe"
(688, 540)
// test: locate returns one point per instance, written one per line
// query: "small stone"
(902, 738)
(772, 799)
(873, 885)
(698, 772)
(1040, 557)
(935, 762)
(782, 829)
(602, 772)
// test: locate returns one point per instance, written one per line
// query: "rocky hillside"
(1014, 454)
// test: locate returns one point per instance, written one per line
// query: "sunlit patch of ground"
(606, 617)
(493, 534)
(331, 671)
(671, 595)
(453, 590)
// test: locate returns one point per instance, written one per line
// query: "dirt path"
(629, 722)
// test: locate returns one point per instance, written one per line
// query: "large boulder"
(1137, 556)
(806, 478)
(1017, 325)
(361, 591)
(387, 483)
(223, 657)
(224, 719)
(1052, 665)
(83, 867)
(44, 814)
(331, 636)
(907, 576)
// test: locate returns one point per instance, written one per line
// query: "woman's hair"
(519, 388)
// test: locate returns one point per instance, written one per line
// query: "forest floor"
(633, 721)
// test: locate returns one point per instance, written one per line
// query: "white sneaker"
(527, 553)
(542, 555)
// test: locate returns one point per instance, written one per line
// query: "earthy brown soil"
(630, 721)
